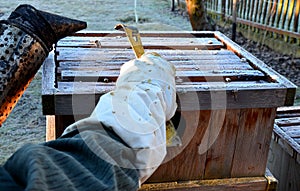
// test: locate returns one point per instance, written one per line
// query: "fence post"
(223, 10)
(234, 15)
(172, 5)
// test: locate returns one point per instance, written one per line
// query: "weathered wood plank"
(206, 95)
(173, 34)
(226, 85)
(76, 104)
(237, 184)
(220, 141)
(288, 112)
(218, 63)
(99, 87)
(286, 142)
(283, 115)
(253, 138)
(256, 63)
(163, 52)
(50, 128)
(180, 66)
(88, 88)
(176, 61)
(199, 76)
(56, 125)
(148, 42)
(182, 167)
(48, 76)
(277, 164)
(48, 84)
(288, 121)
(293, 175)
(126, 54)
(83, 55)
(292, 131)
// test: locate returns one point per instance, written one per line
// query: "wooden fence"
(275, 19)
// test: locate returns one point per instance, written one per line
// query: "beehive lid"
(287, 130)
(212, 71)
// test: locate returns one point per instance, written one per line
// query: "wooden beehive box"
(284, 155)
(227, 98)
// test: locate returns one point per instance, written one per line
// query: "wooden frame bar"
(264, 183)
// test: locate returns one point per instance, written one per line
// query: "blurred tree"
(198, 17)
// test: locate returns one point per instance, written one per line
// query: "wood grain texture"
(50, 128)
(229, 184)
(256, 63)
(223, 136)
(284, 157)
(148, 43)
(48, 84)
(187, 164)
(253, 141)
(227, 99)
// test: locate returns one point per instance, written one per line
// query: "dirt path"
(26, 124)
